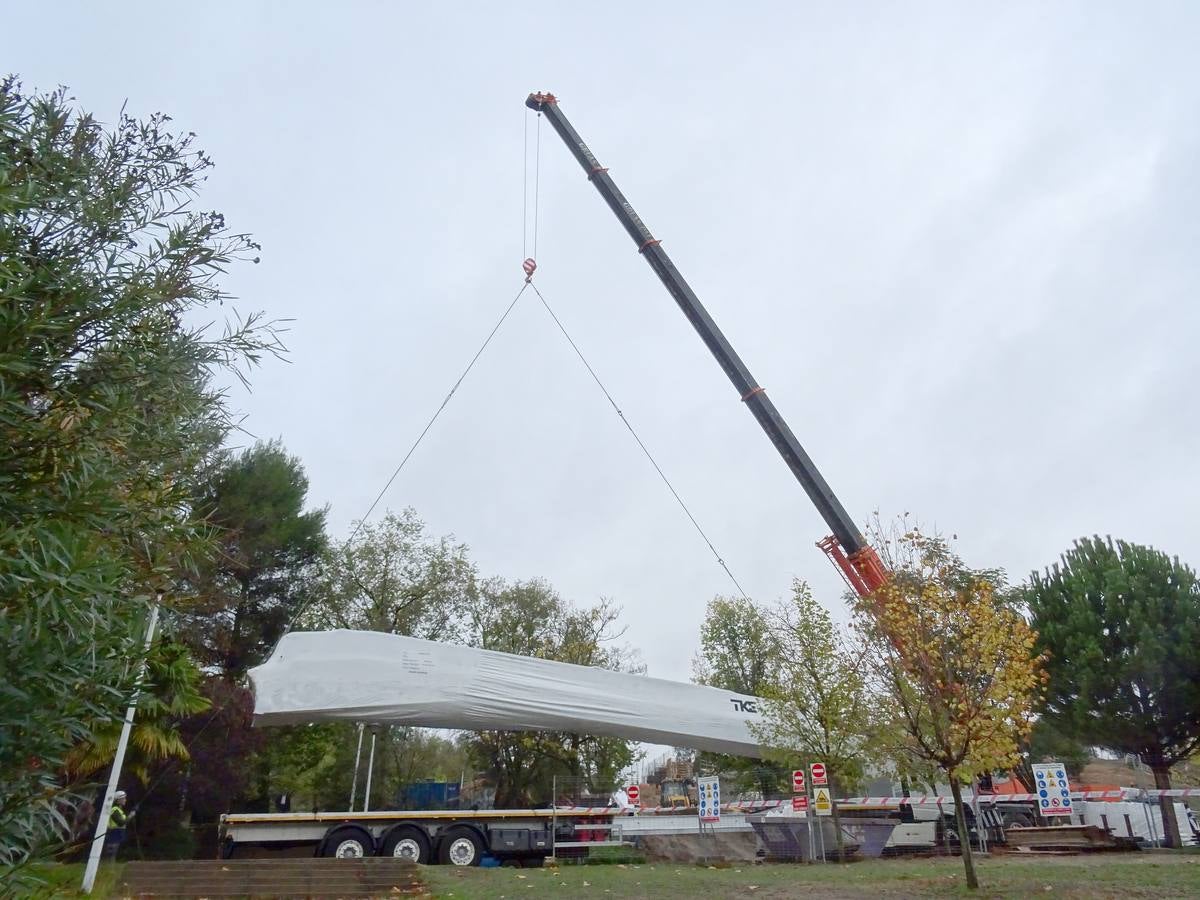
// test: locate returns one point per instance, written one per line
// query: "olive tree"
(107, 413)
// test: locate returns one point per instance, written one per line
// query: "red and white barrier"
(895, 802)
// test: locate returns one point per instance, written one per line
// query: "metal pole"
(1149, 819)
(809, 816)
(370, 768)
(821, 836)
(813, 846)
(979, 824)
(114, 775)
(357, 757)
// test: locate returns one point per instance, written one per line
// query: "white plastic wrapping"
(368, 676)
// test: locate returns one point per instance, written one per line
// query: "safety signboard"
(1053, 789)
(818, 773)
(633, 792)
(798, 781)
(709, 790)
(822, 801)
(800, 804)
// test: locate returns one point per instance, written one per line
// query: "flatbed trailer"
(454, 837)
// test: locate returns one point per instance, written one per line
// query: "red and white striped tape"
(893, 802)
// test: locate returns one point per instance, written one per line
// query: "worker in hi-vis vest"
(117, 820)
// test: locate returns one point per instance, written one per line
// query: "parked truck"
(456, 837)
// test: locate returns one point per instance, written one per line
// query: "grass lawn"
(1162, 874)
(1148, 874)
(58, 881)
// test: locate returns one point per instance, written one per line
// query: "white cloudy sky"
(956, 242)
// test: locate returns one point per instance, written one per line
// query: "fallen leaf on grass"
(522, 876)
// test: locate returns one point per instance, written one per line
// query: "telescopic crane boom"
(854, 557)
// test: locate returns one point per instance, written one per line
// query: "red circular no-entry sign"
(798, 781)
(633, 792)
(818, 773)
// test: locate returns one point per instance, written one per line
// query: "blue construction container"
(429, 795)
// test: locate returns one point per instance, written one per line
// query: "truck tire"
(461, 847)
(348, 842)
(407, 842)
(1018, 819)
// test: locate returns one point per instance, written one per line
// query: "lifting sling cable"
(478, 353)
(674, 493)
(424, 431)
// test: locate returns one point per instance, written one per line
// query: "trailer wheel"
(348, 843)
(1017, 818)
(407, 842)
(461, 847)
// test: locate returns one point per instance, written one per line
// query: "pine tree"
(1120, 623)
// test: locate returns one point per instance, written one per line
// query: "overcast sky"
(958, 244)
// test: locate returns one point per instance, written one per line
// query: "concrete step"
(320, 877)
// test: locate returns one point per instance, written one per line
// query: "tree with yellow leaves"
(956, 660)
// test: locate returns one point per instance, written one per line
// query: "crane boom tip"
(539, 101)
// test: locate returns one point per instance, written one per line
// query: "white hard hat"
(119, 795)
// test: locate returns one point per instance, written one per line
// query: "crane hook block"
(530, 267)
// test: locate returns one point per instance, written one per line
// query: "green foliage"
(1120, 624)
(737, 649)
(739, 653)
(107, 414)
(391, 576)
(314, 764)
(311, 763)
(821, 706)
(267, 550)
(1048, 743)
(169, 692)
(531, 619)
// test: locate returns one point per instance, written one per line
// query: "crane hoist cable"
(537, 178)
